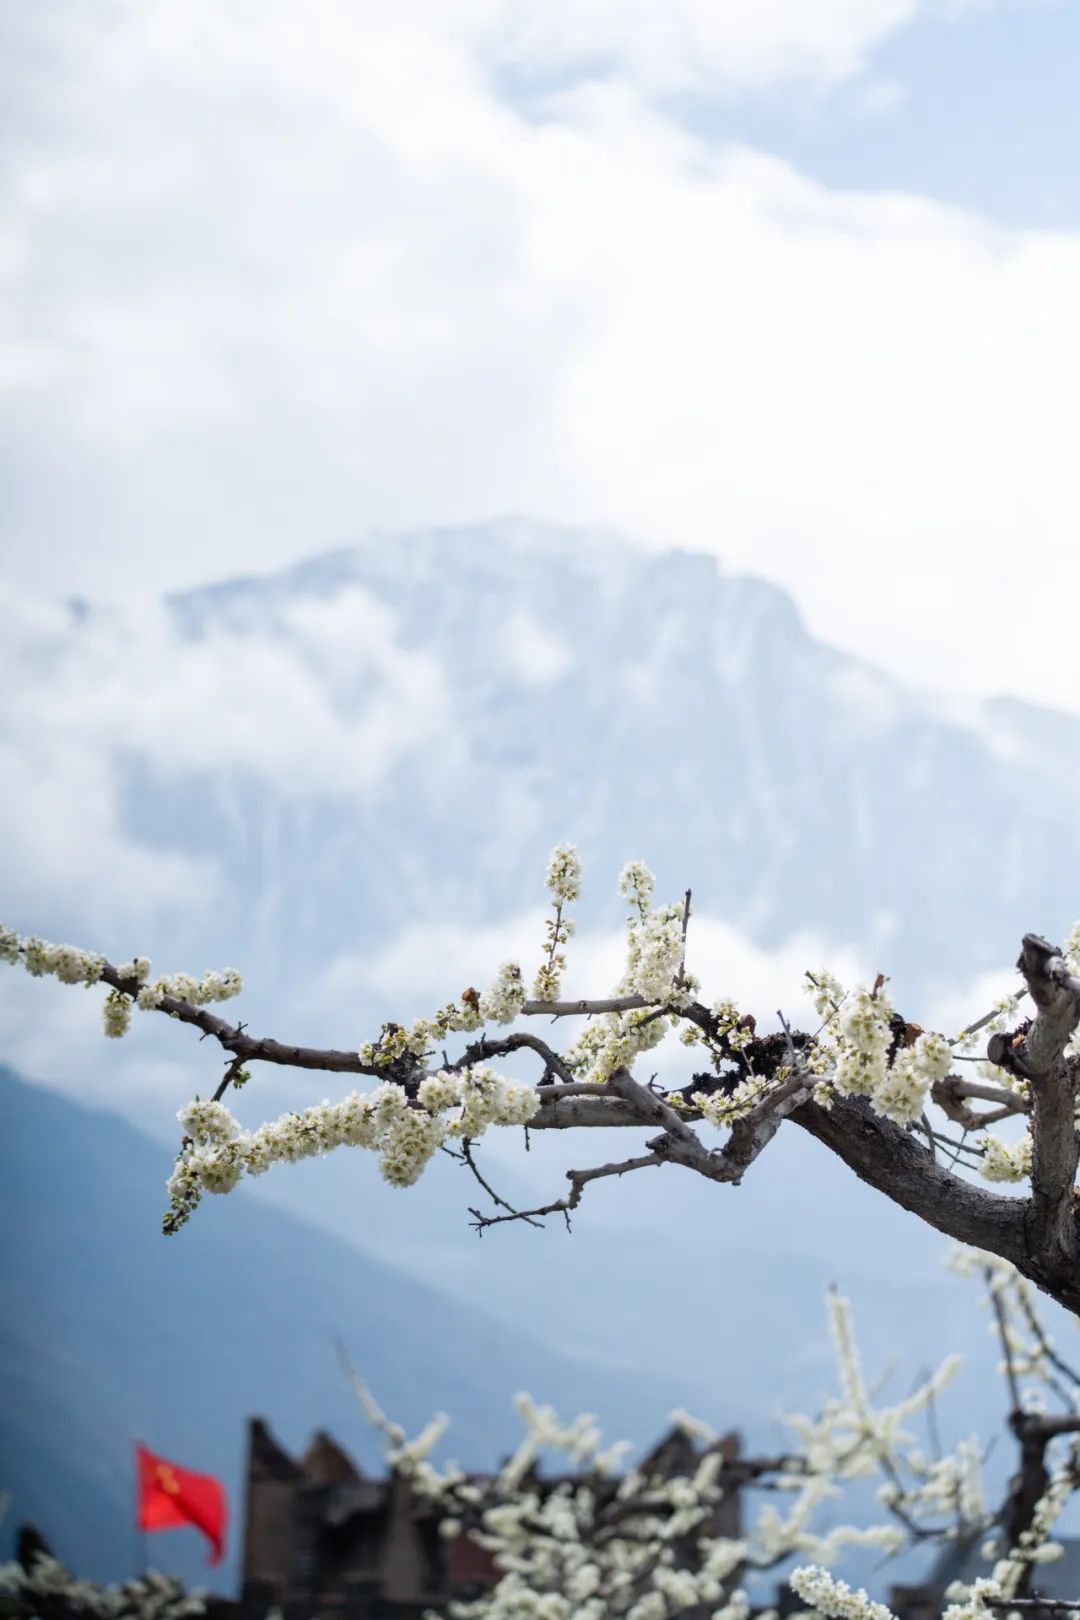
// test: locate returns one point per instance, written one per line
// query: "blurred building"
(323, 1538)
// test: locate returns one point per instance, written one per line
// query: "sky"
(792, 281)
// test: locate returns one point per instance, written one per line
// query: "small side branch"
(1046, 1607)
(579, 1180)
(952, 1096)
(584, 1009)
(232, 1073)
(500, 1203)
(503, 1045)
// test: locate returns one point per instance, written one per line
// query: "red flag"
(171, 1496)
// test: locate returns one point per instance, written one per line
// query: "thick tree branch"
(893, 1162)
(1055, 1145)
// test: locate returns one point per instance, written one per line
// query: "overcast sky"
(797, 281)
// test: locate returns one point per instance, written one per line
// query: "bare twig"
(515, 1214)
(578, 1180)
(503, 1045)
(584, 1009)
(1045, 1347)
(231, 1073)
(1003, 1335)
(680, 977)
(1044, 1606)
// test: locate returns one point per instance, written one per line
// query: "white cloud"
(880, 97)
(701, 45)
(276, 275)
(957, 1006)
(317, 698)
(533, 652)
(410, 975)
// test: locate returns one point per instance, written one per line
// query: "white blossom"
(208, 1122)
(564, 872)
(117, 1013)
(48, 1586)
(503, 1000)
(1003, 1163)
(836, 1598)
(636, 884)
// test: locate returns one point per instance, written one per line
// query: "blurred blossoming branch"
(662, 1541)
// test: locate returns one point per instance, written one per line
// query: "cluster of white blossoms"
(851, 1438)
(71, 965)
(857, 1053)
(216, 1153)
(183, 987)
(39, 957)
(656, 939)
(504, 998)
(564, 881)
(654, 970)
(835, 1598)
(722, 1108)
(1000, 1162)
(1035, 1546)
(48, 1587)
(424, 1035)
(588, 1544)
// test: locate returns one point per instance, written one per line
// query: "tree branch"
(579, 1180)
(1055, 1145)
(893, 1162)
(503, 1045)
(585, 1009)
(248, 1048)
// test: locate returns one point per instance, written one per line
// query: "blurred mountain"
(640, 704)
(396, 734)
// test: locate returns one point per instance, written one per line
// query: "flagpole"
(140, 1533)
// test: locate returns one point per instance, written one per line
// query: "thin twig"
(680, 977)
(1047, 1605)
(228, 1077)
(1003, 1335)
(503, 1045)
(517, 1214)
(584, 1009)
(578, 1180)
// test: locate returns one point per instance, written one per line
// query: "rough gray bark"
(1052, 1227)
